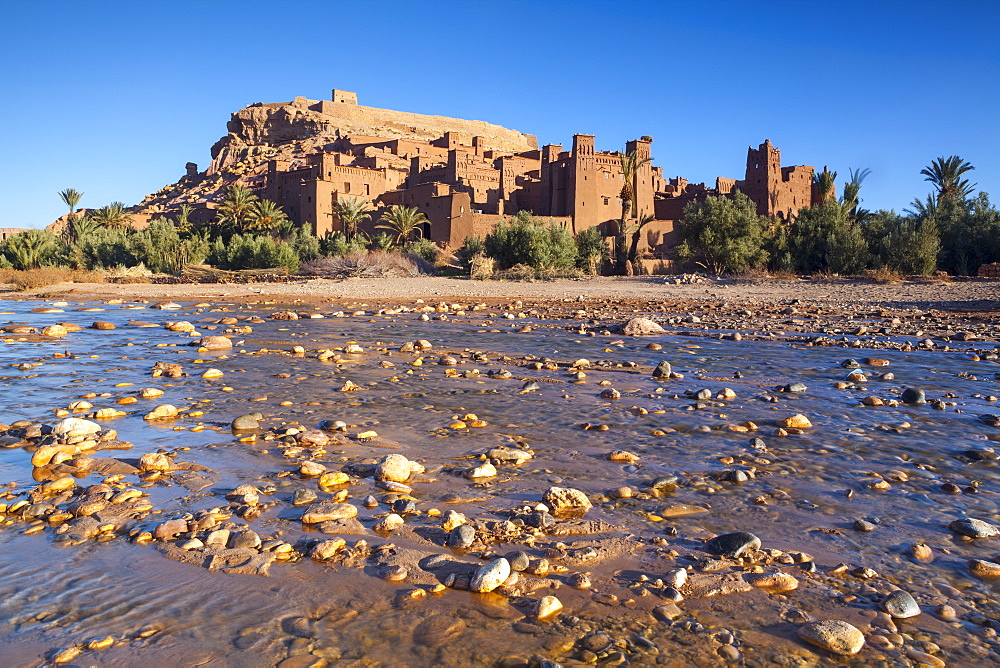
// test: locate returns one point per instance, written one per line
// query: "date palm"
(630, 163)
(71, 197)
(114, 216)
(183, 222)
(851, 198)
(402, 220)
(265, 216)
(351, 212)
(237, 206)
(946, 175)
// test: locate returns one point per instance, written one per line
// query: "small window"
(347, 187)
(607, 201)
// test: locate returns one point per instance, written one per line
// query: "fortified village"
(462, 175)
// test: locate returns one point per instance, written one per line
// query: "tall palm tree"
(824, 182)
(71, 197)
(265, 216)
(183, 222)
(636, 231)
(114, 216)
(351, 212)
(78, 228)
(630, 163)
(946, 175)
(402, 220)
(235, 210)
(851, 198)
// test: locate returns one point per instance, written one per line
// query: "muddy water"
(803, 495)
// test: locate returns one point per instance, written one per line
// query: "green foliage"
(382, 241)
(591, 250)
(824, 238)
(236, 209)
(162, 250)
(424, 249)
(472, 247)
(946, 175)
(306, 246)
(335, 243)
(266, 216)
(105, 247)
(724, 234)
(904, 244)
(402, 221)
(114, 216)
(31, 249)
(246, 251)
(970, 233)
(351, 212)
(530, 241)
(71, 197)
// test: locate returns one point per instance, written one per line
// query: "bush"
(31, 249)
(472, 247)
(306, 246)
(105, 247)
(591, 250)
(825, 239)
(532, 242)
(376, 264)
(425, 249)
(382, 241)
(253, 252)
(724, 234)
(335, 243)
(162, 250)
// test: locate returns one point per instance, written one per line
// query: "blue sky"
(113, 98)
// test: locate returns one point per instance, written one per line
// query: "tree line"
(953, 229)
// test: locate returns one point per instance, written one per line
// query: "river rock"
(243, 538)
(973, 528)
(913, 396)
(154, 461)
(490, 576)
(732, 544)
(794, 387)
(985, 570)
(247, 422)
(900, 604)
(214, 342)
(662, 370)
(162, 412)
(641, 327)
(462, 536)
(325, 511)
(566, 501)
(548, 607)
(311, 468)
(75, 427)
(393, 467)
(834, 636)
(327, 549)
(54, 330)
(796, 422)
(775, 583)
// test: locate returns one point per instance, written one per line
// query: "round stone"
(490, 576)
(834, 636)
(900, 604)
(462, 537)
(913, 396)
(732, 544)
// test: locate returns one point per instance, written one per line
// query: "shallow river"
(804, 492)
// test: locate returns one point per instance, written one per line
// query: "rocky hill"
(291, 130)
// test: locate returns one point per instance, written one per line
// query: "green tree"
(351, 212)
(265, 216)
(851, 198)
(114, 216)
(524, 239)
(946, 175)
(236, 209)
(724, 234)
(402, 221)
(629, 164)
(31, 249)
(183, 222)
(907, 244)
(161, 248)
(824, 182)
(71, 198)
(824, 238)
(591, 250)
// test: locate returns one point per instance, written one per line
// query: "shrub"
(724, 234)
(465, 255)
(425, 249)
(825, 239)
(481, 267)
(376, 264)
(335, 243)
(160, 248)
(532, 242)
(40, 278)
(382, 241)
(253, 252)
(106, 247)
(31, 249)
(591, 250)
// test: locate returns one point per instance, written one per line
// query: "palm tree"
(32, 249)
(265, 215)
(77, 229)
(350, 210)
(851, 198)
(636, 231)
(114, 216)
(183, 222)
(630, 163)
(286, 229)
(402, 220)
(71, 197)
(235, 210)
(824, 182)
(946, 173)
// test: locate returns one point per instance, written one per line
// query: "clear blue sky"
(112, 98)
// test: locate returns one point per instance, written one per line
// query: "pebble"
(913, 396)
(312, 468)
(900, 605)
(775, 583)
(389, 523)
(732, 544)
(394, 468)
(834, 636)
(490, 576)
(985, 570)
(922, 553)
(566, 501)
(247, 422)
(327, 549)
(462, 536)
(75, 427)
(662, 370)
(519, 561)
(798, 421)
(324, 511)
(162, 412)
(214, 343)
(548, 607)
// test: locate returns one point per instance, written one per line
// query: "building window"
(607, 201)
(347, 187)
